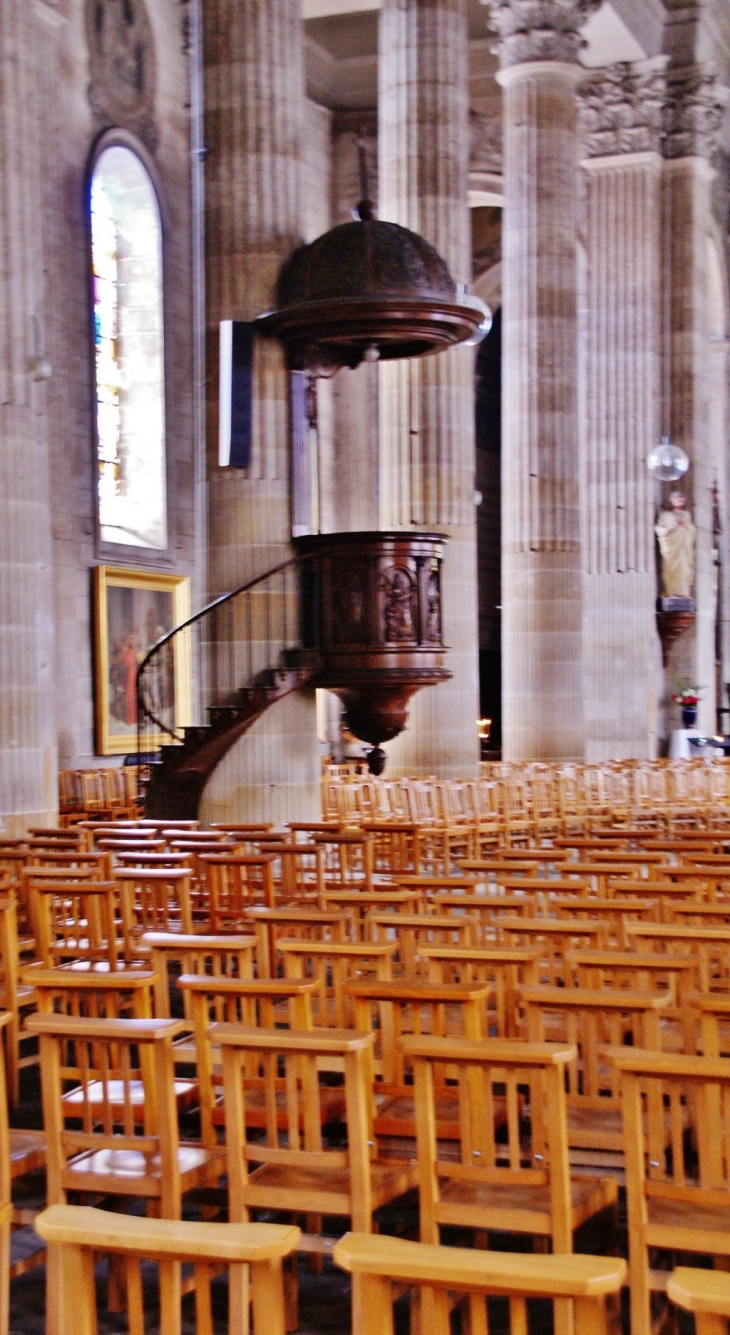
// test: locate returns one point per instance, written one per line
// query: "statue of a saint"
(676, 534)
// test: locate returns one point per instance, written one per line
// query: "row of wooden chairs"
(535, 801)
(110, 792)
(492, 1163)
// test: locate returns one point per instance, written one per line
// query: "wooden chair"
(614, 913)
(154, 860)
(212, 956)
(65, 860)
(503, 969)
(126, 1141)
(236, 883)
(397, 847)
(308, 924)
(590, 1020)
(31, 877)
(673, 976)
(707, 945)
(252, 1255)
(6, 1208)
(99, 996)
(553, 937)
(331, 966)
(390, 1010)
(348, 859)
(157, 900)
(676, 1110)
(265, 1003)
(16, 999)
(303, 1174)
(705, 1293)
(410, 931)
(360, 903)
(297, 869)
(511, 1171)
(76, 924)
(383, 1267)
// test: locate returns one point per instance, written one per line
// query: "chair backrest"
(211, 956)
(298, 871)
(590, 1020)
(236, 883)
(265, 1003)
(77, 1235)
(68, 859)
(676, 1115)
(76, 921)
(382, 1268)
(391, 1010)
(523, 1141)
(306, 924)
(153, 900)
(348, 859)
(98, 996)
(504, 969)
(112, 1067)
(300, 1144)
(331, 966)
(552, 936)
(409, 931)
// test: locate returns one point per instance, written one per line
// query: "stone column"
(28, 749)
(622, 117)
(696, 105)
(349, 470)
(541, 576)
(427, 406)
(254, 114)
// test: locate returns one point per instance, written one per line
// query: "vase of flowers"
(688, 698)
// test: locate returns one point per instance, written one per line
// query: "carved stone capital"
(622, 109)
(485, 143)
(696, 103)
(540, 29)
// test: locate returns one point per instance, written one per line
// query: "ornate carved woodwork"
(372, 608)
(366, 289)
(369, 629)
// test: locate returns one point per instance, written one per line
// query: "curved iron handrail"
(144, 713)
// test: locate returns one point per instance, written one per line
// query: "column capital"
(696, 104)
(536, 30)
(622, 109)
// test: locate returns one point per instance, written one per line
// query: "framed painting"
(132, 610)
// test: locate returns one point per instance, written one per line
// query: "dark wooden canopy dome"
(366, 290)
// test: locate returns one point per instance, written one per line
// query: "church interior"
(364, 667)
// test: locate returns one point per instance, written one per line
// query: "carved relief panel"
(122, 65)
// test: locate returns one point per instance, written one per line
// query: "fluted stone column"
(541, 575)
(28, 750)
(622, 118)
(696, 104)
(254, 114)
(349, 470)
(427, 406)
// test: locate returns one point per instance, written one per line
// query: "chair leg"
(640, 1293)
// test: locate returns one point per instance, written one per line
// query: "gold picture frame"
(133, 609)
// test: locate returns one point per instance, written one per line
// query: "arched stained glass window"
(129, 350)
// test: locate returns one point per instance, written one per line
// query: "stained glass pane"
(126, 236)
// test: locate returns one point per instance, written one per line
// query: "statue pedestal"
(673, 617)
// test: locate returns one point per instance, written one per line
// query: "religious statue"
(676, 534)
